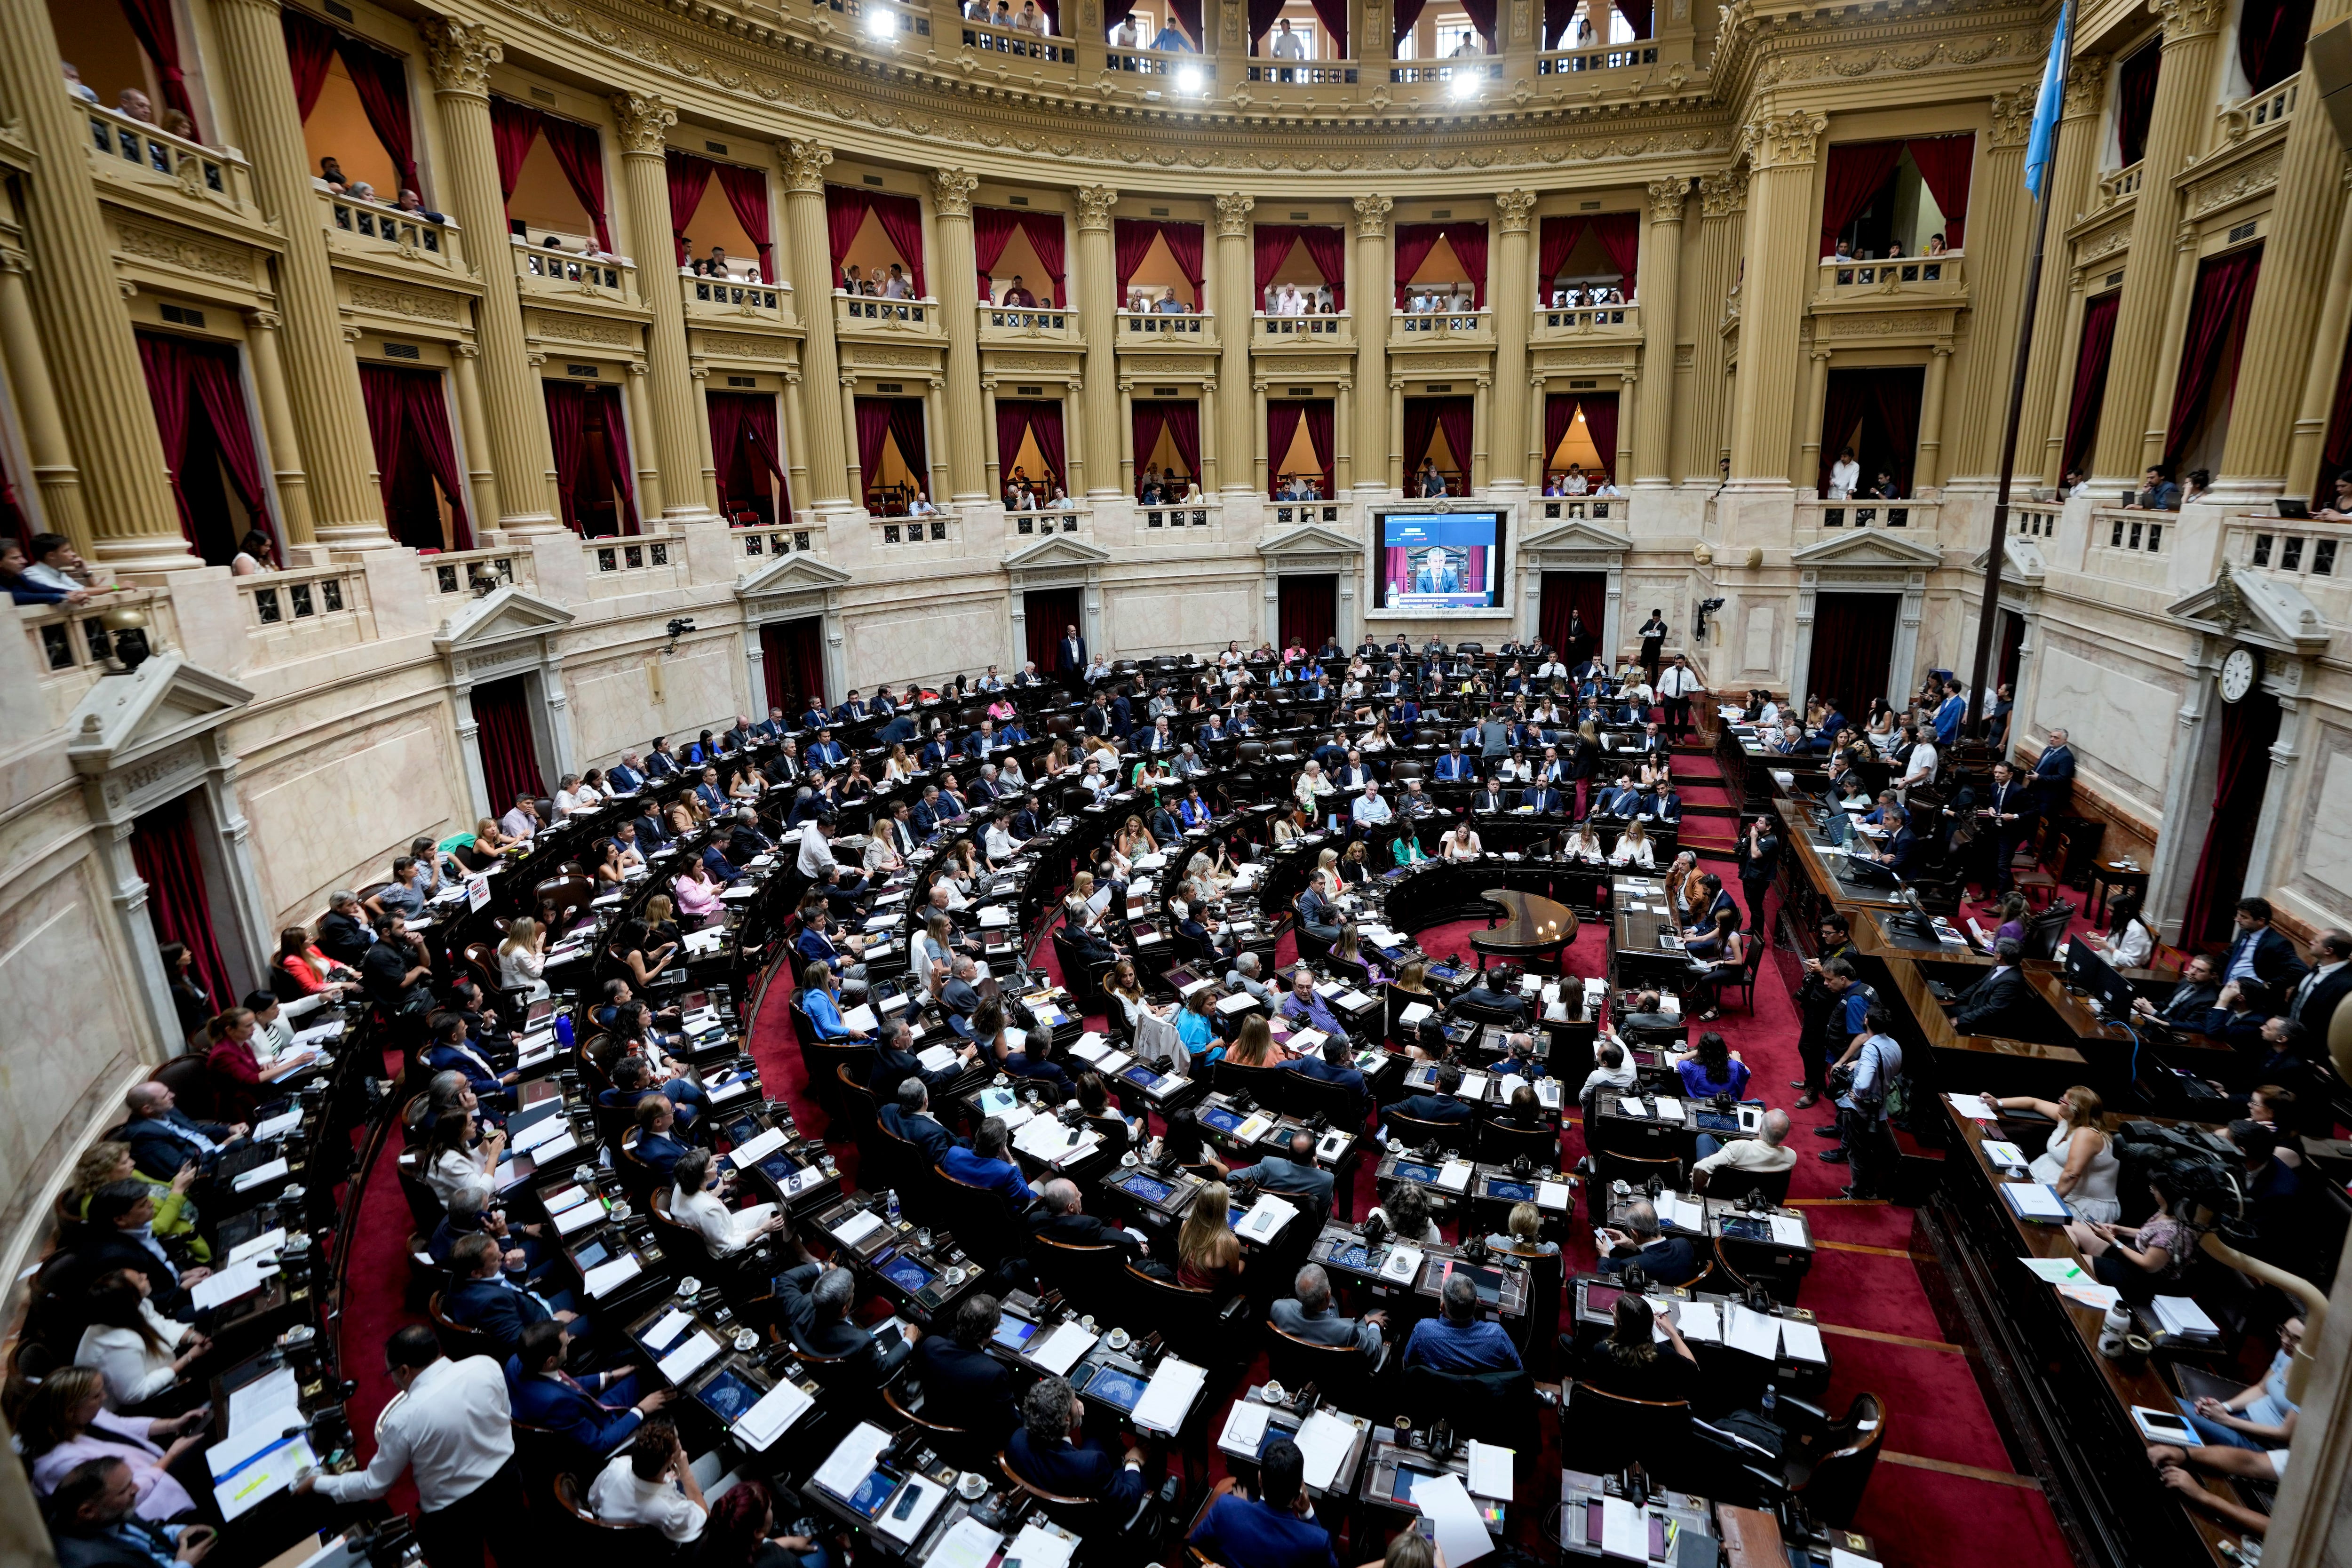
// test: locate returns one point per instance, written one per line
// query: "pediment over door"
(792, 574)
(2022, 564)
(1577, 534)
(129, 716)
(503, 614)
(1308, 540)
(2255, 607)
(1868, 551)
(1059, 551)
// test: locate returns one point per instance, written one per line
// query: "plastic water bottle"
(890, 1203)
(1771, 1398)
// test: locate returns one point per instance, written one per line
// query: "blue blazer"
(924, 1134)
(1238, 1529)
(995, 1175)
(568, 1411)
(1669, 1260)
(1317, 1069)
(499, 1309)
(660, 1153)
(1068, 1470)
(1434, 1106)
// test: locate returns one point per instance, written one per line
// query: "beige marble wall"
(2119, 712)
(622, 700)
(903, 638)
(1164, 613)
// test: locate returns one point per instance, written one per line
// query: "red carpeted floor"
(1946, 1490)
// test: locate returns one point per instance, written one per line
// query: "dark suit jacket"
(97, 1253)
(156, 1151)
(496, 1307)
(569, 1411)
(2274, 958)
(109, 1549)
(924, 1134)
(1067, 1470)
(1669, 1260)
(838, 1338)
(970, 1387)
(1993, 1006)
(1434, 1106)
(2319, 1007)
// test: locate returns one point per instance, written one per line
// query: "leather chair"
(1732, 1182)
(1831, 1484)
(964, 1447)
(572, 894)
(189, 1083)
(1500, 1145)
(458, 1341)
(596, 1542)
(1344, 1374)
(1637, 1169)
(1088, 1276)
(1492, 1406)
(1268, 1087)
(1412, 1132)
(1196, 1325)
(1782, 1288)
(1611, 1431)
(978, 1218)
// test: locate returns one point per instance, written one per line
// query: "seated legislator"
(1276, 1529)
(1442, 1105)
(963, 1383)
(1308, 1313)
(651, 1485)
(985, 1165)
(1629, 1361)
(910, 1117)
(1048, 1453)
(481, 1296)
(814, 1301)
(694, 1205)
(599, 1410)
(1293, 1174)
(1636, 1242)
(1459, 1340)
(1060, 1217)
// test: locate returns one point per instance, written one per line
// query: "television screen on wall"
(1440, 561)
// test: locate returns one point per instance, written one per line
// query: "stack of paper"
(1490, 1470)
(1554, 1195)
(1041, 1546)
(2183, 1319)
(906, 1520)
(749, 1155)
(1060, 1351)
(1788, 1230)
(267, 1171)
(1701, 1322)
(237, 1279)
(2036, 1201)
(1455, 1175)
(1975, 1107)
(1801, 1341)
(1174, 1384)
(607, 1277)
(1745, 1329)
(971, 1544)
(1245, 1427)
(854, 1231)
(852, 1460)
(1266, 1217)
(1403, 1265)
(1325, 1440)
(690, 1357)
(1682, 1213)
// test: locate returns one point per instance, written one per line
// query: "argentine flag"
(2047, 105)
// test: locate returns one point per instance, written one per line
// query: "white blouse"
(134, 1374)
(519, 970)
(726, 1234)
(1631, 853)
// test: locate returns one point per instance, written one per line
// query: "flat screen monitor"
(1362, 1258)
(1114, 1386)
(906, 1274)
(1150, 1189)
(1410, 1476)
(1518, 1192)
(1747, 1227)
(2088, 971)
(1138, 1073)
(1489, 1282)
(874, 1491)
(1015, 1334)
(1410, 1173)
(1223, 1121)
(728, 1396)
(1440, 561)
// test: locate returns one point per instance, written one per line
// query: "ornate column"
(1722, 204)
(121, 496)
(796, 428)
(1660, 286)
(1928, 467)
(2327, 349)
(2057, 328)
(277, 426)
(651, 470)
(680, 436)
(1234, 272)
(1127, 456)
(1809, 450)
(330, 416)
(2288, 297)
(935, 440)
(1997, 227)
(2172, 328)
(481, 484)
(1368, 304)
(2184, 96)
(1512, 294)
(845, 387)
(1780, 149)
(520, 455)
(993, 466)
(63, 505)
(1099, 318)
(811, 257)
(1482, 419)
(965, 437)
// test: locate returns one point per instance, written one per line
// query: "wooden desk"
(1987, 1062)
(1535, 929)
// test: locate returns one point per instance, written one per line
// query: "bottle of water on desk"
(1771, 1398)
(890, 1204)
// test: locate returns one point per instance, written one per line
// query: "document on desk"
(1039, 1546)
(608, 1276)
(1509, 1084)
(545, 1130)
(1455, 1175)
(2056, 1270)
(1629, 1106)
(277, 1126)
(1411, 1016)
(860, 1020)
(774, 1416)
(267, 1171)
(579, 1218)
(1245, 1427)
(264, 1474)
(1324, 1442)
(1403, 1265)
(1254, 1126)
(1745, 1329)
(1701, 1322)
(1490, 1470)
(1063, 1348)
(1266, 1217)
(2036, 1201)
(1461, 1532)
(1554, 1195)
(237, 1279)
(733, 1088)
(747, 1155)
(664, 1334)
(688, 1358)
(1174, 1385)
(1624, 1530)
(971, 1544)
(2000, 1153)
(853, 1231)
(852, 1460)
(269, 1403)
(1975, 1107)
(555, 1148)
(1089, 1048)
(906, 1520)
(1669, 1110)
(1788, 1230)
(1682, 1213)
(270, 1242)
(1802, 1341)
(1474, 1087)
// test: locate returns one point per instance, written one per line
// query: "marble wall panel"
(888, 644)
(2120, 722)
(2323, 863)
(1760, 645)
(621, 703)
(333, 814)
(1161, 618)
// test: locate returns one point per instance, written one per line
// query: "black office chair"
(1087, 1275)
(1829, 1478)
(1637, 1169)
(1268, 1087)
(600, 1544)
(1492, 1406)
(1412, 1132)
(1732, 1183)
(1344, 1374)
(1196, 1325)
(1610, 1431)
(978, 1218)
(1499, 1145)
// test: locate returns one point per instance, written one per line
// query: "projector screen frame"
(1498, 571)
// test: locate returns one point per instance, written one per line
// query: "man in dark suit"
(115, 1234)
(1542, 799)
(162, 1136)
(1035, 1060)
(895, 1063)
(480, 1297)
(1060, 1216)
(1998, 1004)
(2054, 771)
(599, 1411)
(2190, 1000)
(656, 1147)
(1489, 796)
(1332, 1064)
(2261, 951)
(2316, 996)
(1274, 1529)
(910, 1117)
(625, 776)
(2008, 811)
(661, 762)
(815, 1302)
(1292, 1174)
(962, 1382)
(985, 1165)
(1441, 1106)
(1046, 1452)
(1636, 1242)
(1070, 654)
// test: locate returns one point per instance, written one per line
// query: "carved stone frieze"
(424, 304)
(169, 248)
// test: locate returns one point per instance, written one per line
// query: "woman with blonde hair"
(1524, 1233)
(898, 767)
(1633, 848)
(2079, 1160)
(1078, 908)
(66, 1423)
(1255, 1046)
(1208, 1253)
(882, 856)
(1057, 761)
(522, 958)
(1134, 839)
(106, 1163)
(1326, 879)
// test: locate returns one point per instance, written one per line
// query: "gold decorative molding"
(732, 345)
(460, 55)
(805, 164)
(1095, 203)
(169, 249)
(2190, 19)
(2249, 179)
(584, 330)
(1723, 194)
(1666, 197)
(1514, 207)
(951, 192)
(1234, 214)
(1783, 140)
(424, 305)
(2086, 87)
(1372, 217)
(644, 123)
(2012, 117)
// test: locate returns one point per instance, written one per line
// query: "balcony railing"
(1332, 331)
(199, 171)
(1481, 68)
(1588, 320)
(764, 543)
(1304, 73)
(297, 615)
(721, 299)
(1612, 56)
(562, 275)
(1190, 514)
(868, 314)
(474, 573)
(1289, 513)
(1456, 325)
(1190, 324)
(2294, 547)
(1193, 73)
(939, 528)
(365, 226)
(639, 563)
(2035, 519)
(1849, 278)
(2267, 108)
(1850, 514)
(1050, 519)
(70, 642)
(979, 35)
(2130, 529)
(2117, 187)
(1596, 509)
(1027, 323)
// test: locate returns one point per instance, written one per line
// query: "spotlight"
(881, 23)
(679, 627)
(1188, 78)
(1462, 85)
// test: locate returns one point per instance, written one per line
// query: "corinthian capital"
(1666, 198)
(2012, 117)
(1720, 195)
(1514, 207)
(1783, 140)
(1372, 217)
(2190, 19)
(1095, 203)
(1232, 213)
(951, 192)
(645, 121)
(804, 166)
(2086, 86)
(459, 55)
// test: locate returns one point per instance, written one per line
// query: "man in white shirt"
(1287, 44)
(816, 857)
(1921, 773)
(1370, 809)
(651, 1483)
(1845, 476)
(1767, 1153)
(451, 1423)
(1611, 1069)
(1678, 684)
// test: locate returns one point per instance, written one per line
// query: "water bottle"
(1771, 1398)
(890, 1203)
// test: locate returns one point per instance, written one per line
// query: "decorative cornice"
(1095, 203)
(460, 55)
(1232, 215)
(2086, 86)
(644, 123)
(2012, 117)
(1723, 194)
(1372, 217)
(1782, 141)
(1514, 207)
(2190, 19)
(951, 192)
(805, 164)
(1666, 197)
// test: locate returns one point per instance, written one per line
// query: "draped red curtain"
(747, 198)
(1555, 238)
(1454, 419)
(502, 730)
(1846, 397)
(183, 376)
(1396, 571)
(1281, 427)
(1045, 237)
(1469, 243)
(567, 421)
(743, 438)
(2090, 388)
(906, 430)
(1481, 16)
(2209, 356)
(1408, 12)
(1146, 421)
(1130, 241)
(1305, 609)
(513, 128)
(1886, 403)
(2335, 448)
(14, 523)
(580, 152)
(1896, 399)
(1601, 423)
(1045, 611)
(1414, 241)
(150, 22)
(1271, 245)
(1327, 247)
(1184, 429)
(604, 418)
(1571, 599)
(163, 851)
(901, 218)
(1945, 163)
(1856, 170)
(1638, 14)
(407, 415)
(872, 424)
(846, 207)
(688, 177)
(584, 422)
(1320, 427)
(992, 229)
(2271, 36)
(1560, 412)
(1558, 15)
(1420, 429)
(309, 53)
(1184, 243)
(792, 661)
(1188, 14)
(1620, 235)
(1333, 14)
(382, 82)
(2248, 728)
(1013, 420)
(2136, 100)
(1262, 15)
(1854, 644)
(1045, 425)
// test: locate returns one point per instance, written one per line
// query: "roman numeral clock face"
(2239, 670)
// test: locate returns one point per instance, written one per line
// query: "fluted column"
(2288, 296)
(2171, 328)
(2057, 329)
(1723, 206)
(681, 422)
(1368, 305)
(1808, 446)
(1098, 296)
(652, 472)
(1660, 287)
(1236, 271)
(277, 425)
(54, 474)
(481, 484)
(323, 377)
(123, 495)
(811, 257)
(1780, 257)
(1998, 225)
(521, 457)
(958, 289)
(2184, 104)
(1928, 467)
(2326, 352)
(1513, 295)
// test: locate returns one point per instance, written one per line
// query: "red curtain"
(1045, 611)
(1188, 14)
(14, 523)
(1555, 238)
(1558, 15)
(604, 418)
(513, 128)
(1046, 423)
(1053, 10)
(2336, 450)
(381, 81)
(2271, 36)
(584, 423)
(1327, 247)
(1469, 243)
(1013, 419)
(150, 22)
(792, 662)
(1420, 429)
(1454, 419)
(1414, 241)
(844, 213)
(992, 229)
(1637, 14)
(1045, 237)
(2217, 321)
(689, 177)
(580, 153)
(1184, 243)
(1184, 429)
(1854, 644)
(1262, 15)
(744, 433)
(1856, 170)
(872, 424)
(1620, 235)
(1846, 397)
(1146, 421)
(2248, 728)
(502, 730)
(1572, 598)
(1320, 430)
(747, 198)
(1945, 163)
(1333, 14)
(2136, 100)
(1305, 607)
(1601, 423)
(1895, 408)
(1481, 16)
(182, 375)
(407, 414)
(1560, 412)
(163, 850)
(1887, 404)
(1281, 428)
(2090, 389)
(1271, 245)
(1408, 12)
(902, 220)
(567, 419)
(1396, 571)
(310, 52)
(906, 430)
(1131, 240)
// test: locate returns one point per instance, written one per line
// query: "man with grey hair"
(1061, 1216)
(1243, 976)
(343, 934)
(1309, 1315)
(1767, 1153)
(469, 1213)
(960, 994)
(816, 1302)
(1459, 1340)
(1636, 1242)
(1049, 1454)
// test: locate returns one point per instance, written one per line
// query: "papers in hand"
(262, 1475)
(1975, 1107)
(1063, 1347)
(1245, 1427)
(1490, 1470)
(1461, 1533)
(933, 1057)
(1164, 1402)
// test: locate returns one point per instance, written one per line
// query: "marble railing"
(634, 564)
(475, 571)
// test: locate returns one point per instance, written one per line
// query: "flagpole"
(1991, 607)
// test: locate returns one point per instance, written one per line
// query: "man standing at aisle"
(1678, 684)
